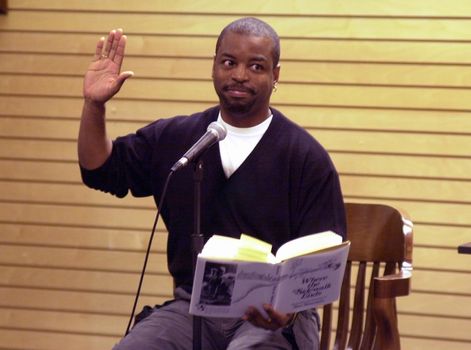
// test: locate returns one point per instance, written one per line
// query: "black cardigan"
(286, 188)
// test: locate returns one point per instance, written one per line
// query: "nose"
(240, 73)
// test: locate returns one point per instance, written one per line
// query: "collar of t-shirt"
(239, 143)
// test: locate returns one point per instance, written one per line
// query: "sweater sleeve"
(322, 207)
(319, 201)
(127, 168)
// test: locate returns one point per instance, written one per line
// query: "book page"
(227, 288)
(307, 244)
(311, 280)
(220, 247)
(245, 249)
(253, 249)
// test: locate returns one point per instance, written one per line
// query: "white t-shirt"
(238, 143)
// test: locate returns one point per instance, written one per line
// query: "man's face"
(243, 77)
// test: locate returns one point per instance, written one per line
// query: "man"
(268, 178)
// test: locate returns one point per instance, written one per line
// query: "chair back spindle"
(381, 239)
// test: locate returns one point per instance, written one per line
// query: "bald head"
(256, 27)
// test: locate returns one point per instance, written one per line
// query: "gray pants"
(171, 327)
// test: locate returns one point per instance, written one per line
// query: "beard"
(234, 106)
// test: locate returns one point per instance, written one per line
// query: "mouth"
(239, 91)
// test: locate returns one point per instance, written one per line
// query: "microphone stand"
(197, 244)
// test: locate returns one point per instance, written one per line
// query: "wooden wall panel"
(37, 339)
(78, 237)
(414, 98)
(422, 8)
(312, 116)
(419, 52)
(447, 144)
(100, 282)
(90, 260)
(441, 28)
(385, 87)
(44, 213)
(197, 68)
(73, 301)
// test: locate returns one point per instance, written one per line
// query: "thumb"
(122, 78)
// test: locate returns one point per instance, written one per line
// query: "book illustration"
(218, 283)
(258, 281)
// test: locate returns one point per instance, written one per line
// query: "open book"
(232, 274)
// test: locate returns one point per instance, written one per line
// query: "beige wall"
(384, 85)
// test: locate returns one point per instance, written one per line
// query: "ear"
(214, 64)
(276, 73)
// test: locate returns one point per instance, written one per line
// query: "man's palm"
(103, 78)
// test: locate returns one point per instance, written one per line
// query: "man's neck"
(245, 121)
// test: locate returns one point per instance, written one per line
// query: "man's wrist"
(291, 320)
(93, 103)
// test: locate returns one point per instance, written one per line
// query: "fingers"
(274, 320)
(277, 318)
(115, 44)
(257, 319)
(253, 316)
(119, 53)
(99, 48)
(118, 34)
(109, 43)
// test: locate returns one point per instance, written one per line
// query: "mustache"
(239, 87)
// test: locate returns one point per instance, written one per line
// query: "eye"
(256, 67)
(228, 63)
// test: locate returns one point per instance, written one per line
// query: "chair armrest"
(391, 286)
(386, 289)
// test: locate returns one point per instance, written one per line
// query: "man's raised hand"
(104, 77)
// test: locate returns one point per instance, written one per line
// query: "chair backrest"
(381, 240)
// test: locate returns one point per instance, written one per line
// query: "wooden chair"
(381, 238)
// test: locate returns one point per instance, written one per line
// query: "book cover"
(227, 281)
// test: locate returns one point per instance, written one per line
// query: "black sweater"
(286, 188)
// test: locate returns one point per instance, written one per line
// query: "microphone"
(215, 133)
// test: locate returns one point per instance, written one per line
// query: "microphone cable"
(149, 245)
